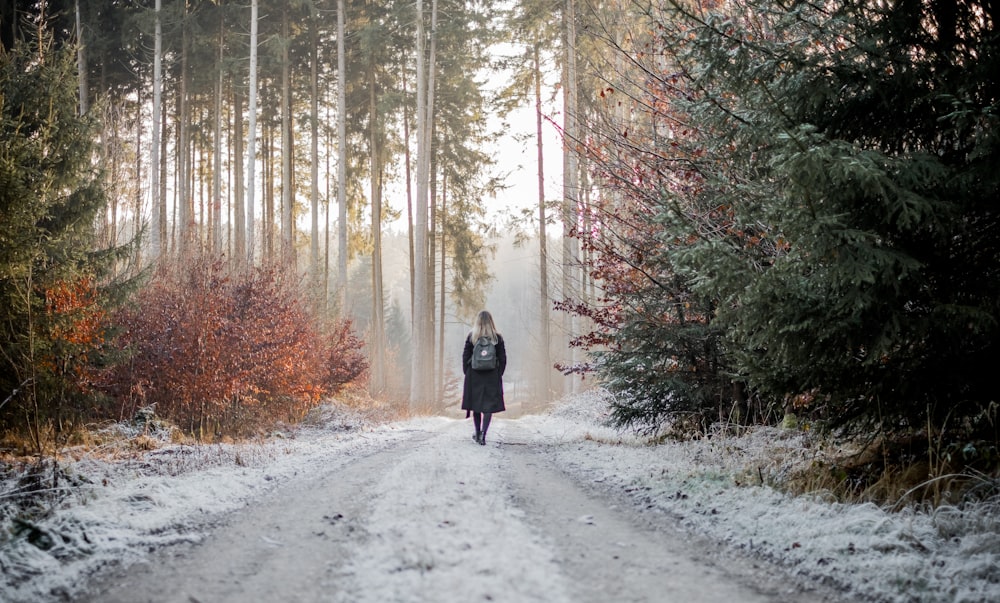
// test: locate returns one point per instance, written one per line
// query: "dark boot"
(476, 436)
(485, 425)
(482, 439)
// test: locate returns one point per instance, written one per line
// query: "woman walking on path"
(483, 362)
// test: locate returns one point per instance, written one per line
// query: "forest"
(764, 211)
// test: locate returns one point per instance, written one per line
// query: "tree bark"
(409, 191)
(267, 192)
(184, 197)
(252, 133)
(545, 363)
(287, 149)
(570, 178)
(341, 159)
(166, 236)
(442, 292)
(239, 208)
(216, 241)
(314, 156)
(419, 384)
(432, 195)
(81, 60)
(158, 206)
(377, 374)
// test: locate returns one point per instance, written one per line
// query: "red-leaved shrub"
(228, 351)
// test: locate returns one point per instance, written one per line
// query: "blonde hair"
(483, 326)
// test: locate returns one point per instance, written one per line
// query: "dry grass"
(358, 401)
(145, 443)
(889, 472)
(894, 473)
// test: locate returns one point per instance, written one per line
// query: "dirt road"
(439, 518)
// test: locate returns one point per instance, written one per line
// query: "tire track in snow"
(285, 546)
(426, 520)
(610, 552)
(442, 528)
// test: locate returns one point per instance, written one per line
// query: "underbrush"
(896, 472)
(893, 472)
(33, 484)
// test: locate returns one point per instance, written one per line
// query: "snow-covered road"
(435, 517)
(558, 507)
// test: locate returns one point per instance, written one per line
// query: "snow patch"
(127, 508)
(712, 488)
(462, 545)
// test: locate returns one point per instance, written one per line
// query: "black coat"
(483, 390)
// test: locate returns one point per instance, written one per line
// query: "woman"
(483, 390)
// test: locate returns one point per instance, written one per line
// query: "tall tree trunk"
(216, 239)
(314, 157)
(419, 390)
(377, 381)
(158, 202)
(587, 224)
(570, 176)
(268, 218)
(327, 179)
(200, 182)
(442, 291)
(545, 363)
(407, 160)
(239, 207)
(432, 257)
(175, 204)
(185, 199)
(137, 206)
(81, 60)
(287, 150)
(111, 154)
(341, 159)
(429, 133)
(233, 201)
(165, 236)
(252, 133)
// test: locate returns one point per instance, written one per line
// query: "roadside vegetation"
(799, 226)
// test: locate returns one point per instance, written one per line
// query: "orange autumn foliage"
(210, 347)
(75, 325)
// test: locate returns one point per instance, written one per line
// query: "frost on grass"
(727, 487)
(114, 502)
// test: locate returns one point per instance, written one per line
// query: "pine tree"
(853, 151)
(824, 186)
(50, 193)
